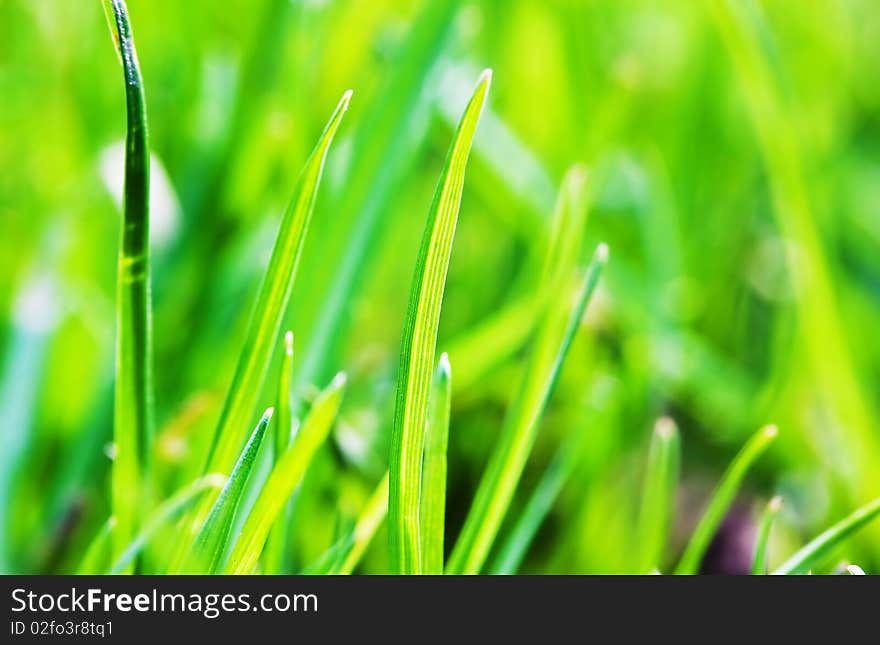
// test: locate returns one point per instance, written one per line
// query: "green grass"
(432, 497)
(759, 562)
(658, 506)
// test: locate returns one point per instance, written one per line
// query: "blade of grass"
(271, 302)
(367, 524)
(658, 494)
(277, 543)
(818, 548)
(98, 555)
(284, 477)
(759, 563)
(133, 406)
(549, 348)
(212, 541)
(722, 498)
(855, 570)
(419, 341)
(433, 494)
(164, 515)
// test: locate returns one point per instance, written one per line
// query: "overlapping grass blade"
(433, 496)
(759, 562)
(658, 494)
(818, 548)
(553, 338)
(164, 515)
(133, 403)
(271, 302)
(367, 524)
(284, 477)
(418, 344)
(721, 500)
(212, 541)
(99, 553)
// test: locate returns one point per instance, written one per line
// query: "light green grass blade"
(277, 542)
(133, 405)
(419, 341)
(99, 553)
(271, 303)
(549, 348)
(759, 562)
(658, 494)
(368, 523)
(284, 478)
(854, 570)
(722, 498)
(813, 553)
(212, 541)
(164, 515)
(433, 495)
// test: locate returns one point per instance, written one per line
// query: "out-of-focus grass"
(734, 150)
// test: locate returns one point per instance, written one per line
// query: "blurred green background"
(734, 151)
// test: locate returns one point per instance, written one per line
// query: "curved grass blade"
(759, 563)
(98, 555)
(212, 541)
(549, 348)
(433, 495)
(855, 570)
(368, 523)
(133, 403)
(811, 554)
(284, 478)
(658, 495)
(270, 305)
(419, 341)
(164, 515)
(722, 498)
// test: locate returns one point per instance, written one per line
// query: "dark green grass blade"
(270, 305)
(164, 515)
(212, 541)
(419, 341)
(433, 496)
(722, 498)
(813, 553)
(133, 407)
(284, 478)
(759, 562)
(658, 495)
(505, 468)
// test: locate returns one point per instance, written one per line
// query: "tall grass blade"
(284, 477)
(99, 553)
(813, 553)
(658, 494)
(759, 562)
(550, 346)
(164, 515)
(433, 495)
(212, 541)
(419, 343)
(271, 302)
(133, 403)
(722, 498)
(367, 524)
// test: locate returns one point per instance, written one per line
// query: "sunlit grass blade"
(284, 477)
(433, 495)
(759, 562)
(164, 515)
(212, 541)
(98, 556)
(277, 542)
(133, 406)
(658, 495)
(549, 349)
(271, 302)
(418, 344)
(721, 500)
(812, 554)
(855, 570)
(367, 524)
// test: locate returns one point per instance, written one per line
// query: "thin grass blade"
(284, 478)
(419, 341)
(99, 553)
(433, 496)
(813, 553)
(133, 403)
(658, 494)
(759, 562)
(368, 523)
(722, 498)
